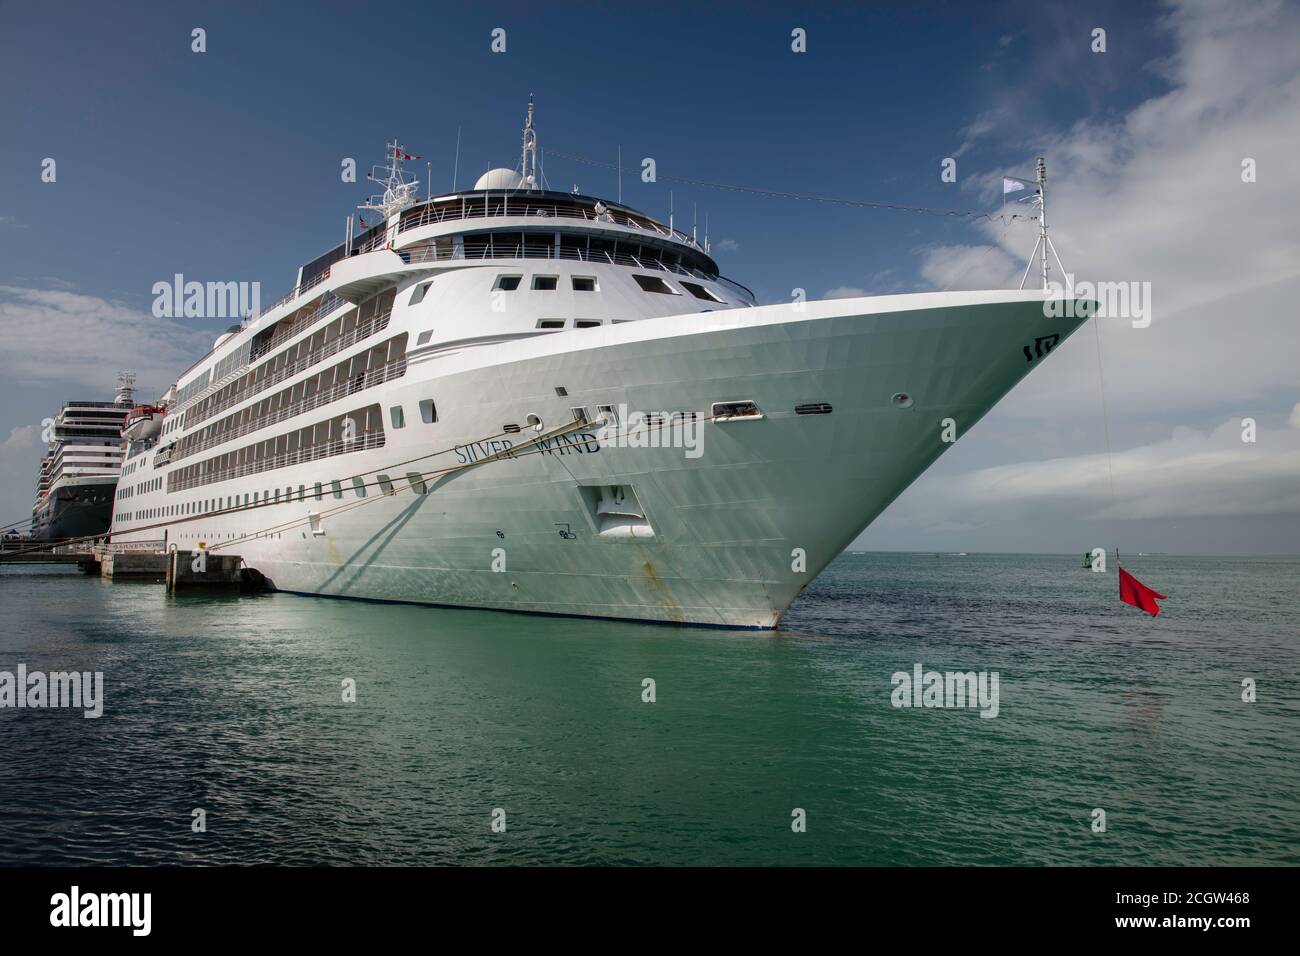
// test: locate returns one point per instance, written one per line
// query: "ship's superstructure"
(78, 473)
(509, 397)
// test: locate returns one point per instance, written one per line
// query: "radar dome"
(499, 179)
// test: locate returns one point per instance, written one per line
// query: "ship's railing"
(530, 209)
(495, 250)
(297, 291)
(376, 376)
(283, 460)
(369, 327)
(328, 304)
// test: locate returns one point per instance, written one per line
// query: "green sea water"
(234, 705)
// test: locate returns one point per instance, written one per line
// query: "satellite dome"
(499, 179)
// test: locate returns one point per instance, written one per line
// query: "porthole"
(902, 400)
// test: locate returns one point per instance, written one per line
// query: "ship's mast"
(1044, 243)
(400, 186)
(125, 389)
(528, 158)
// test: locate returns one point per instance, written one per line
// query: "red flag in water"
(1132, 591)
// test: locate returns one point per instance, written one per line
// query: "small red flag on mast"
(1132, 591)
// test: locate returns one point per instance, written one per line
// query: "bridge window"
(359, 486)
(586, 323)
(584, 284)
(417, 482)
(550, 323)
(397, 416)
(508, 283)
(545, 283)
(428, 412)
(654, 284)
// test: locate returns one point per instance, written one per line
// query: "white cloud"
(1188, 474)
(83, 341)
(1154, 195)
(956, 268)
(21, 438)
(845, 292)
(725, 245)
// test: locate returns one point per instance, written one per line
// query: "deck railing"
(376, 376)
(282, 460)
(368, 327)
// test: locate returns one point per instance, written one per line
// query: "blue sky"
(225, 166)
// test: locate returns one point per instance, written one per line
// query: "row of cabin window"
(358, 485)
(366, 421)
(351, 370)
(548, 283)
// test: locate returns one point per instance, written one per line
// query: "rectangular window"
(428, 413)
(336, 488)
(587, 323)
(579, 415)
(654, 284)
(417, 482)
(584, 284)
(508, 283)
(424, 337)
(302, 492)
(316, 492)
(545, 283)
(396, 416)
(550, 323)
(700, 292)
(359, 486)
(386, 484)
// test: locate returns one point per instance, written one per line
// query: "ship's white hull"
(738, 530)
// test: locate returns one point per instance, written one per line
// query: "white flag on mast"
(1010, 185)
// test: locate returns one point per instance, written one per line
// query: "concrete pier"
(132, 564)
(196, 570)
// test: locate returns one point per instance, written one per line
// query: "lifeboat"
(143, 422)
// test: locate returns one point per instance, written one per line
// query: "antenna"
(695, 223)
(620, 174)
(455, 170)
(1042, 216)
(670, 212)
(428, 179)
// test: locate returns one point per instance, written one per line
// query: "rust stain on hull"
(658, 587)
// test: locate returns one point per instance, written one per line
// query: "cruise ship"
(78, 474)
(514, 398)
